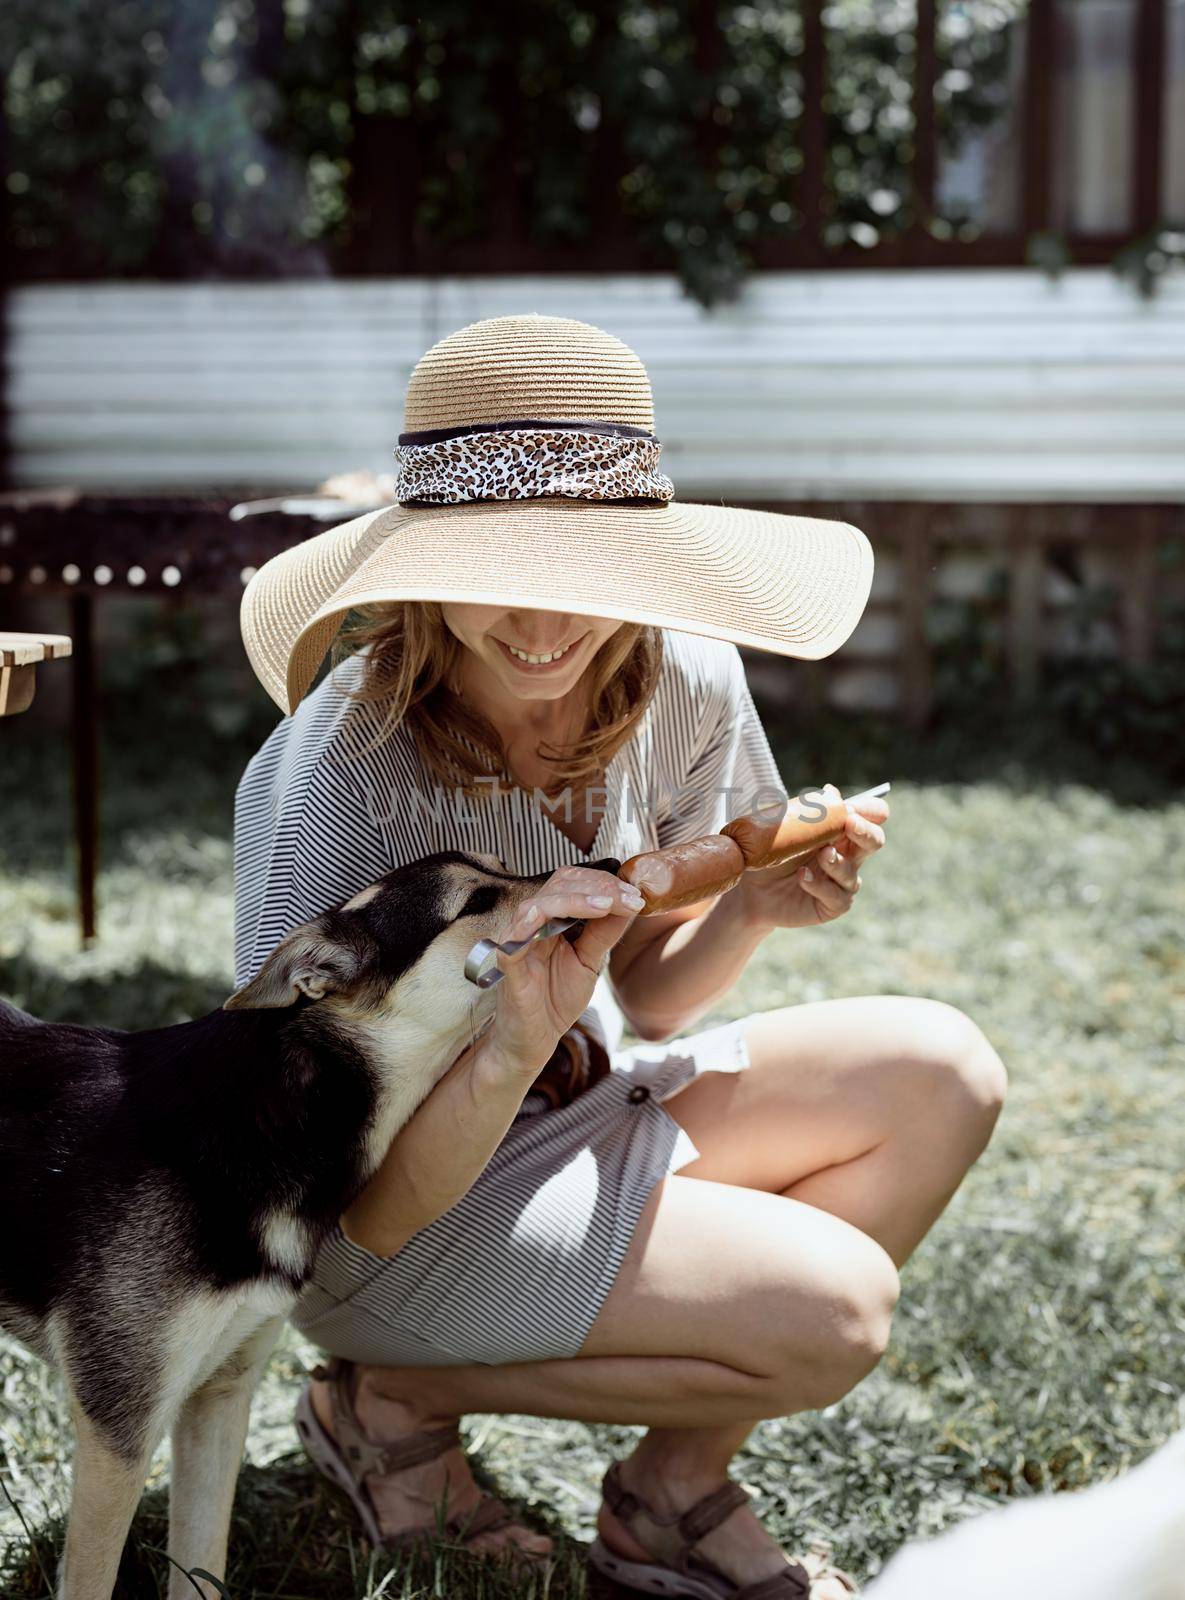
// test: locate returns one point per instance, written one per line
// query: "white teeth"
(538, 661)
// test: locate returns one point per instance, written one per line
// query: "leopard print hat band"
(529, 460)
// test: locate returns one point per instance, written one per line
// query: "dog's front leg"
(106, 1491)
(208, 1439)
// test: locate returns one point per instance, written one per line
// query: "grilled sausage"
(778, 834)
(683, 874)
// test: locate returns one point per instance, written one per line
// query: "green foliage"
(966, 650)
(188, 657)
(230, 137)
(1142, 262)
(1120, 708)
(83, 178)
(1089, 703)
(1147, 259)
(1049, 252)
(871, 118)
(978, 49)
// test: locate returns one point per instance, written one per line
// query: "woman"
(545, 671)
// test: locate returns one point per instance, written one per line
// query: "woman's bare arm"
(440, 1152)
(670, 969)
(437, 1156)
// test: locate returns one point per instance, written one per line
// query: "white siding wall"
(963, 385)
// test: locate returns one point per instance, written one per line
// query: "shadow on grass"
(1035, 1351)
(1025, 747)
(293, 1537)
(150, 995)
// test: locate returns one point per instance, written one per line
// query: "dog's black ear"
(307, 961)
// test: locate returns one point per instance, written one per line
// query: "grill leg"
(85, 748)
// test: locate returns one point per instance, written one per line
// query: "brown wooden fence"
(1044, 580)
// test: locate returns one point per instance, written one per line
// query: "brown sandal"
(351, 1457)
(680, 1571)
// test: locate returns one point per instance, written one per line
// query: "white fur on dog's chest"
(212, 1325)
(409, 1061)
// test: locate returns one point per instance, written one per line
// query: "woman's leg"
(731, 1305)
(872, 1108)
(761, 1289)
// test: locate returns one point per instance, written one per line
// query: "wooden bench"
(20, 656)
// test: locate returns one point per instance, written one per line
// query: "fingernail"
(600, 900)
(808, 875)
(631, 897)
(832, 857)
(531, 914)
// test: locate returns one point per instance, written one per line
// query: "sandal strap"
(699, 1519)
(680, 1533)
(673, 1537)
(710, 1511)
(361, 1454)
(793, 1583)
(488, 1515)
(417, 1448)
(623, 1503)
(361, 1458)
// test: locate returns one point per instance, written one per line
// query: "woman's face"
(499, 639)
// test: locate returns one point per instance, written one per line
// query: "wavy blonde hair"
(410, 666)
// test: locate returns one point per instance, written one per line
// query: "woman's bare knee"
(976, 1077)
(849, 1315)
(962, 1079)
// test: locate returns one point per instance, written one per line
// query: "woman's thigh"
(834, 1080)
(757, 1282)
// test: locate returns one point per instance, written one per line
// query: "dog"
(171, 1188)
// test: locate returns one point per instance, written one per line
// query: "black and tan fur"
(167, 1191)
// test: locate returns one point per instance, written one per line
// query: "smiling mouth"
(547, 658)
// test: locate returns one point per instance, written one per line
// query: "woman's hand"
(549, 982)
(436, 1157)
(823, 886)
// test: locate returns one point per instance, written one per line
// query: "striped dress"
(518, 1269)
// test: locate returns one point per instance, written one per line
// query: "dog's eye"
(483, 899)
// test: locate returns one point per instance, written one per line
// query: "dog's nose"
(609, 864)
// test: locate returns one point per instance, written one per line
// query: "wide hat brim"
(794, 586)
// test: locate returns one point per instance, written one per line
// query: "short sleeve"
(304, 839)
(732, 769)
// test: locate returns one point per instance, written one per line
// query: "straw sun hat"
(528, 476)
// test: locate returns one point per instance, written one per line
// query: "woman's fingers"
(832, 879)
(588, 906)
(600, 934)
(875, 808)
(547, 985)
(578, 892)
(831, 864)
(861, 837)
